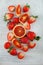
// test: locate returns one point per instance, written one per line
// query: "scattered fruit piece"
(32, 19)
(7, 45)
(25, 48)
(20, 55)
(10, 36)
(31, 35)
(16, 20)
(13, 51)
(18, 10)
(10, 25)
(11, 8)
(27, 26)
(8, 16)
(19, 31)
(26, 8)
(23, 18)
(16, 43)
(32, 45)
(24, 40)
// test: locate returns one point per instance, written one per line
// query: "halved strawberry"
(10, 36)
(18, 10)
(11, 8)
(25, 48)
(8, 16)
(32, 19)
(23, 18)
(20, 55)
(27, 26)
(32, 45)
(16, 43)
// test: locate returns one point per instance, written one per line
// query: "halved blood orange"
(18, 10)
(23, 18)
(19, 31)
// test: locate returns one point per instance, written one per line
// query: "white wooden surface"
(34, 56)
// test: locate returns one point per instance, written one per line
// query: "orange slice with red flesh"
(23, 18)
(18, 10)
(16, 43)
(19, 31)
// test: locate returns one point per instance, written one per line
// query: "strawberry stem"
(37, 38)
(34, 16)
(10, 49)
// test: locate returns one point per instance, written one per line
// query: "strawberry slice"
(11, 8)
(10, 36)
(18, 10)
(8, 16)
(32, 45)
(23, 18)
(20, 55)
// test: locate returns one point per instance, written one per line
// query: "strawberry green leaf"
(34, 16)
(28, 5)
(9, 49)
(5, 18)
(37, 38)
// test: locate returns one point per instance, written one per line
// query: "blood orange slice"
(23, 18)
(19, 31)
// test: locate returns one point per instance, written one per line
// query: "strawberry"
(10, 36)
(26, 8)
(32, 19)
(8, 16)
(32, 45)
(20, 55)
(16, 20)
(16, 43)
(25, 48)
(10, 25)
(27, 25)
(11, 8)
(24, 40)
(12, 51)
(18, 10)
(7, 45)
(31, 35)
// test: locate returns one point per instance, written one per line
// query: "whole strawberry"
(31, 35)
(26, 8)
(24, 40)
(7, 45)
(12, 51)
(10, 25)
